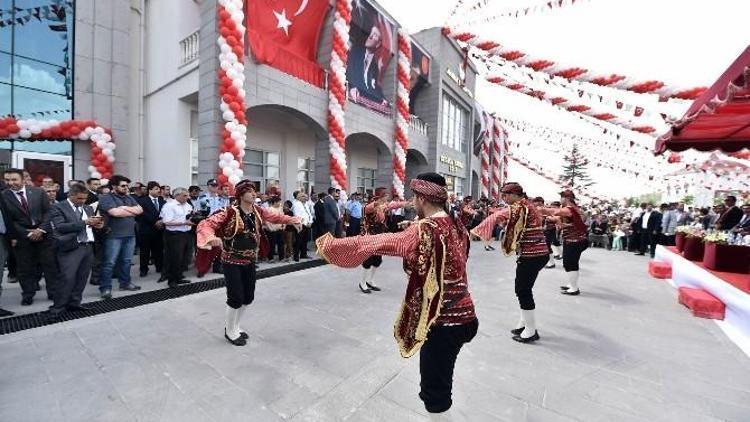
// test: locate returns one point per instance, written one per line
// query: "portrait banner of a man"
(372, 40)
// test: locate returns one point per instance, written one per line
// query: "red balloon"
(3, 133)
(232, 41)
(13, 128)
(233, 91)
(75, 130)
(230, 25)
(225, 32)
(235, 151)
(224, 15)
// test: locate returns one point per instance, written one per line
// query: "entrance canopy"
(718, 119)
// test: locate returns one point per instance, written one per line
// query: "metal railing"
(417, 125)
(190, 48)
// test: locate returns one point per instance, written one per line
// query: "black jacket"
(147, 220)
(17, 221)
(653, 224)
(730, 218)
(66, 225)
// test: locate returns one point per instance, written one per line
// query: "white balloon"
(234, 164)
(227, 156)
(82, 136)
(225, 48)
(230, 126)
(242, 128)
(99, 130)
(107, 152)
(111, 145)
(240, 144)
(226, 171)
(89, 131)
(238, 83)
(91, 169)
(225, 65)
(100, 143)
(231, 57)
(25, 133)
(233, 179)
(223, 106)
(228, 115)
(111, 158)
(236, 135)
(96, 175)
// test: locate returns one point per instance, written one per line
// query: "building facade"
(147, 69)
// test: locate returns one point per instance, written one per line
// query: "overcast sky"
(683, 43)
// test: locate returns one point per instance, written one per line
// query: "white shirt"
(646, 216)
(84, 217)
(18, 197)
(300, 210)
(174, 212)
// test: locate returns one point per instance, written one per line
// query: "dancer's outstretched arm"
(352, 251)
(485, 229)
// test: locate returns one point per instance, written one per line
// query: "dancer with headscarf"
(437, 315)
(374, 222)
(237, 230)
(523, 236)
(574, 239)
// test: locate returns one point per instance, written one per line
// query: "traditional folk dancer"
(437, 315)
(237, 230)
(374, 222)
(549, 224)
(573, 237)
(552, 233)
(523, 235)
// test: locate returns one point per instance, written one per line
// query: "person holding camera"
(176, 216)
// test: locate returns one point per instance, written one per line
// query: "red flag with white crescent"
(285, 34)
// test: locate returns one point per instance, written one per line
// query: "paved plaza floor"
(319, 350)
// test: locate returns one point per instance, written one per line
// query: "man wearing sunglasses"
(119, 209)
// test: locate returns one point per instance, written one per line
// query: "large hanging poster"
(372, 49)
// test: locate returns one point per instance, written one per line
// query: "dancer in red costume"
(374, 222)
(573, 237)
(524, 236)
(437, 315)
(237, 231)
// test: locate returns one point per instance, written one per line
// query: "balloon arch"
(102, 144)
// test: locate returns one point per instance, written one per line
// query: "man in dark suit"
(363, 71)
(26, 209)
(649, 224)
(92, 184)
(331, 215)
(73, 225)
(731, 217)
(320, 210)
(743, 227)
(151, 229)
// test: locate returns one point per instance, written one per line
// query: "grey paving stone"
(321, 351)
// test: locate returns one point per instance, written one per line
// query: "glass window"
(30, 103)
(455, 118)
(47, 28)
(38, 75)
(5, 100)
(458, 186)
(262, 167)
(366, 181)
(5, 66)
(305, 174)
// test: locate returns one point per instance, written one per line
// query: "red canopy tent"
(718, 119)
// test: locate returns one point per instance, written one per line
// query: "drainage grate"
(39, 319)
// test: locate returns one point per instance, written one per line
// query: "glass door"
(39, 165)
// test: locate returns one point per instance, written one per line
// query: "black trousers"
(240, 281)
(648, 240)
(572, 254)
(178, 246)
(276, 241)
(151, 246)
(550, 236)
(35, 259)
(355, 226)
(437, 358)
(373, 261)
(75, 267)
(300, 242)
(527, 270)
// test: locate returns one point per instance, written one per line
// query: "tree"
(574, 170)
(688, 199)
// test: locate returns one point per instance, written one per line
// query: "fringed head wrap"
(512, 188)
(430, 191)
(243, 187)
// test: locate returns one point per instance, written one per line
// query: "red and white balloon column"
(102, 144)
(496, 158)
(402, 113)
(504, 152)
(485, 155)
(337, 93)
(232, 81)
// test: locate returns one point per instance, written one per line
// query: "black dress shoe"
(367, 291)
(517, 331)
(239, 341)
(640, 254)
(558, 257)
(564, 287)
(143, 273)
(94, 283)
(5, 313)
(161, 279)
(569, 293)
(533, 338)
(131, 288)
(183, 281)
(244, 335)
(296, 259)
(27, 301)
(305, 257)
(78, 308)
(373, 288)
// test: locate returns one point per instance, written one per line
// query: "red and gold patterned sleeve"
(206, 230)
(277, 218)
(487, 226)
(394, 205)
(353, 251)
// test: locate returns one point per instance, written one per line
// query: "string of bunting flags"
(586, 192)
(540, 8)
(662, 89)
(22, 16)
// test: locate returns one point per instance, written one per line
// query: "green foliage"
(574, 170)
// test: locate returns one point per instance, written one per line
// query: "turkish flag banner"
(285, 34)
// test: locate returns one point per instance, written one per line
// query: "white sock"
(530, 329)
(521, 321)
(442, 417)
(365, 278)
(230, 325)
(240, 312)
(557, 250)
(371, 279)
(573, 281)
(551, 261)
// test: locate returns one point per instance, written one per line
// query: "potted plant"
(719, 255)
(693, 245)
(679, 237)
